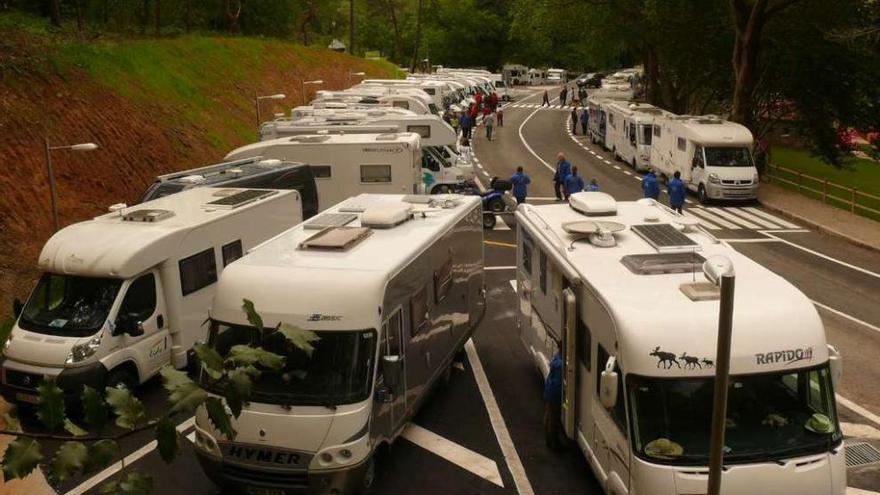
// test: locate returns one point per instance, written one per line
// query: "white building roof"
(408, 139)
(650, 311)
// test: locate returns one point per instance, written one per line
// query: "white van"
(713, 155)
(345, 165)
(128, 292)
(599, 126)
(631, 131)
(617, 289)
(501, 87)
(392, 296)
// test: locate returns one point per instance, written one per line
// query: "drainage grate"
(861, 454)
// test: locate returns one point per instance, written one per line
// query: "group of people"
(563, 97)
(466, 120)
(566, 180)
(676, 189)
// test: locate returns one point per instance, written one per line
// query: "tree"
(233, 14)
(158, 12)
(55, 12)
(415, 57)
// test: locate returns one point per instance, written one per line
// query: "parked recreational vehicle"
(349, 164)
(406, 98)
(501, 87)
(713, 155)
(128, 292)
(630, 128)
(515, 74)
(615, 296)
(435, 89)
(537, 77)
(556, 76)
(253, 173)
(598, 124)
(391, 298)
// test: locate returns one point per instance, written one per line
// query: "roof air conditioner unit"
(147, 215)
(593, 203)
(386, 216)
(192, 179)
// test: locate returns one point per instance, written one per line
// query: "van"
(251, 173)
(391, 294)
(599, 120)
(630, 136)
(126, 293)
(349, 164)
(618, 291)
(714, 156)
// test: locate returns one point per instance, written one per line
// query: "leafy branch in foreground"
(91, 443)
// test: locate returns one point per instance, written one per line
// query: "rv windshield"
(645, 134)
(69, 305)
(769, 417)
(339, 371)
(728, 157)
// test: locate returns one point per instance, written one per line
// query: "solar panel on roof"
(328, 220)
(336, 239)
(664, 237)
(241, 198)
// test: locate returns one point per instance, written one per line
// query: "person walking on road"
(553, 434)
(478, 98)
(520, 183)
(677, 192)
(573, 183)
(464, 149)
(563, 170)
(650, 185)
(585, 120)
(487, 111)
(546, 99)
(593, 186)
(499, 115)
(466, 125)
(489, 122)
(563, 96)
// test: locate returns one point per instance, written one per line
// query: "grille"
(861, 454)
(266, 478)
(20, 379)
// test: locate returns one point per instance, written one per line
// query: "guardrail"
(830, 193)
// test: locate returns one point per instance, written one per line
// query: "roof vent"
(599, 233)
(147, 215)
(336, 238)
(309, 139)
(593, 203)
(241, 198)
(386, 215)
(700, 291)
(192, 179)
(329, 220)
(662, 263)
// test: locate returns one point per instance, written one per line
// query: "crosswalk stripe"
(772, 218)
(753, 218)
(705, 223)
(733, 218)
(703, 213)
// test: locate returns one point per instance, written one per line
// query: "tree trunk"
(351, 27)
(652, 76)
(145, 16)
(187, 15)
(79, 16)
(398, 43)
(308, 17)
(234, 14)
(55, 12)
(415, 57)
(158, 12)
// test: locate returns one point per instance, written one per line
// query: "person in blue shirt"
(573, 183)
(520, 183)
(677, 192)
(585, 120)
(593, 186)
(553, 404)
(466, 124)
(650, 185)
(563, 170)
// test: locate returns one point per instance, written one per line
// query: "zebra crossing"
(555, 106)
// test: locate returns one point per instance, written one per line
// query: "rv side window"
(543, 268)
(375, 173)
(698, 157)
(401, 104)
(422, 130)
(632, 134)
(657, 130)
(584, 345)
(527, 257)
(231, 252)
(682, 144)
(442, 281)
(322, 171)
(418, 310)
(611, 120)
(618, 414)
(197, 271)
(392, 334)
(140, 300)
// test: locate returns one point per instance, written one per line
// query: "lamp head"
(84, 147)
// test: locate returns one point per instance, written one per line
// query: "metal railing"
(830, 193)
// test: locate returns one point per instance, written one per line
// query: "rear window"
(197, 271)
(375, 173)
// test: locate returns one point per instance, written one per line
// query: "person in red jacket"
(475, 112)
(499, 114)
(493, 101)
(487, 111)
(479, 99)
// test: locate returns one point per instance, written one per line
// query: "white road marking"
(500, 224)
(785, 231)
(860, 431)
(825, 256)
(523, 139)
(636, 177)
(703, 213)
(858, 491)
(593, 152)
(688, 201)
(462, 457)
(513, 284)
(848, 317)
(509, 267)
(772, 218)
(617, 167)
(458, 365)
(606, 161)
(753, 218)
(627, 172)
(733, 218)
(705, 223)
(127, 460)
(479, 166)
(852, 406)
(748, 241)
(508, 449)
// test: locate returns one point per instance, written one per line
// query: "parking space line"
(848, 317)
(617, 167)
(510, 267)
(508, 449)
(705, 223)
(461, 456)
(852, 406)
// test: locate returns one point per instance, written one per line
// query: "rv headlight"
(713, 178)
(207, 443)
(756, 178)
(81, 352)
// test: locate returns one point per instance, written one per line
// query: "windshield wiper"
(779, 455)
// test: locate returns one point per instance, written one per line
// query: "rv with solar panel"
(713, 155)
(387, 289)
(128, 292)
(622, 293)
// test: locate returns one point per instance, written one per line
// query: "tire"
(121, 376)
(368, 481)
(440, 189)
(496, 205)
(489, 221)
(704, 197)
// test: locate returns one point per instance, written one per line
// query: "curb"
(821, 228)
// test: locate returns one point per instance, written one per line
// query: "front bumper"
(246, 479)
(19, 381)
(741, 193)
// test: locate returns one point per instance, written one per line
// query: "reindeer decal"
(708, 363)
(690, 362)
(667, 359)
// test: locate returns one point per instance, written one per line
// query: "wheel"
(704, 197)
(122, 376)
(440, 189)
(367, 482)
(489, 221)
(496, 205)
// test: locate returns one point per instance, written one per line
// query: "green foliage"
(134, 482)
(12, 423)
(21, 457)
(253, 317)
(95, 410)
(238, 388)
(101, 454)
(50, 408)
(70, 458)
(73, 428)
(243, 355)
(185, 394)
(302, 339)
(211, 361)
(221, 419)
(167, 439)
(129, 410)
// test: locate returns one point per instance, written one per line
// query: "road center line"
(523, 139)
(848, 317)
(508, 449)
(825, 256)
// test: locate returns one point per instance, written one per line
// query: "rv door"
(141, 324)
(569, 377)
(393, 370)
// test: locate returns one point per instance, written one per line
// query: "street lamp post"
(355, 74)
(51, 172)
(304, 83)
(257, 99)
(719, 271)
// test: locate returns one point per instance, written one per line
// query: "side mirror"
(836, 362)
(17, 307)
(129, 325)
(608, 383)
(392, 368)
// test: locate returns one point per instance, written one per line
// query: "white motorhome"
(392, 296)
(598, 123)
(537, 77)
(406, 98)
(557, 76)
(435, 89)
(630, 129)
(345, 165)
(128, 292)
(501, 87)
(713, 155)
(515, 74)
(616, 289)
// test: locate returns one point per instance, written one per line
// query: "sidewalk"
(854, 228)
